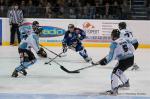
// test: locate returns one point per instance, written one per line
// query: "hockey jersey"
(71, 37)
(120, 49)
(124, 33)
(30, 41)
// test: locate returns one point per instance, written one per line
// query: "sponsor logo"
(94, 34)
(47, 31)
(50, 31)
(90, 28)
(88, 25)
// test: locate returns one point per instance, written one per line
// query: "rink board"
(0, 32)
(51, 96)
(97, 31)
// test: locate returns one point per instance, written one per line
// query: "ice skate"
(88, 59)
(24, 72)
(112, 92)
(135, 67)
(15, 73)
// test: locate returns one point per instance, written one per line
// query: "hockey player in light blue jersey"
(37, 30)
(121, 50)
(27, 58)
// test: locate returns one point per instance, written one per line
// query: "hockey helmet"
(115, 34)
(122, 25)
(35, 23)
(71, 26)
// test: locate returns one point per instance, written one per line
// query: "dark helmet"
(115, 34)
(71, 26)
(122, 25)
(34, 23)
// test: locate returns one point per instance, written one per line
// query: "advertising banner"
(97, 31)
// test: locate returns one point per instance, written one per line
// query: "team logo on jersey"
(47, 31)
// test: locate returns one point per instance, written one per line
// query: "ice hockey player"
(73, 40)
(125, 33)
(27, 58)
(121, 50)
(36, 27)
(38, 30)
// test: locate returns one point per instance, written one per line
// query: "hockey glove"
(64, 48)
(103, 61)
(42, 53)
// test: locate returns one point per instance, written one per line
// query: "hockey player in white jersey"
(27, 58)
(125, 33)
(121, 50)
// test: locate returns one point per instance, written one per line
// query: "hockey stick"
(53, 58)
(61, 66)
(78, 70)
(50, 50)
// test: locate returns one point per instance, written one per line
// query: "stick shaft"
(50, 50)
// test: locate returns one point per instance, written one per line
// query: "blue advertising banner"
(0, 31)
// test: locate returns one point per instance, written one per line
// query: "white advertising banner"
(97, 31)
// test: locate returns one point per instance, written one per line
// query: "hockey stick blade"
(64, 69)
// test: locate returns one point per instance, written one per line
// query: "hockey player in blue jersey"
(73, 40)
(27, 58)
(122, 50)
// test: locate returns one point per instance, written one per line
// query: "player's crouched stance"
(27, 57)
(72, 40)
(121, 50)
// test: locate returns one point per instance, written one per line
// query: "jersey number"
(128, 34)
(125, 47)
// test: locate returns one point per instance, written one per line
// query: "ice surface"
(50, 79)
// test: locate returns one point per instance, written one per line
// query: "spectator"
(87, 12)
(125, 10)
(115, 10)
(1, 7)
(72, 14)
(15, 16)
(22, 3)
(49, 13)
(23, 7)
(48, 7)
(31, 13)
(79, 10)
(61, 11)
(97, 10)
(30, 3)
(68, 3)
(107, 10)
